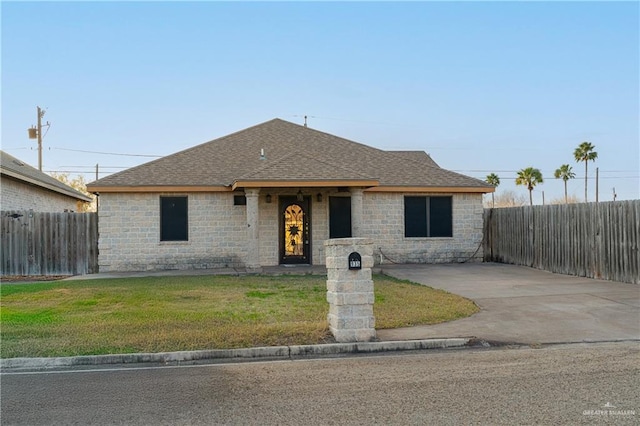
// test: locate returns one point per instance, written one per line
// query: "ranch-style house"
(273, 193)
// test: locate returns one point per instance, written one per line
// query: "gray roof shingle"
(12, 167)
(292, 153)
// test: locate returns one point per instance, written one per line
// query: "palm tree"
(494, 180)
(585, 152)
(565, 173)
(529, 177)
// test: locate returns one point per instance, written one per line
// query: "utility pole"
(40, 114)
(36, 133)
(597, 179)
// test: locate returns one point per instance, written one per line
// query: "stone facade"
(129, 228)
(129, 225)
(16, 195)
(384, 224)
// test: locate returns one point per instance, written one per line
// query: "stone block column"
(350, 291)
(356, 212)
(253, 231)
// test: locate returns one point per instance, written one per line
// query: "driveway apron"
(525, 305)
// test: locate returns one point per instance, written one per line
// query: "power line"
(85, 172)
(577, 178)
(516, 171)
(555, 178)
(107, 153)
(453, 170)
(353, 121)
(101, 167)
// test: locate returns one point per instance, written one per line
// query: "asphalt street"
(587, 383)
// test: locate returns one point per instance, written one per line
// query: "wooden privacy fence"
(35, 243)
(596, 240)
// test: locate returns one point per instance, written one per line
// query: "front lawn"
(158, 314)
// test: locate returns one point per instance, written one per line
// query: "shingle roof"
(420, 156)
(12, 167)
(295, 167)
(293, 153)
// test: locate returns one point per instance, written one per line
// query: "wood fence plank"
(41, 243)
(596, 240)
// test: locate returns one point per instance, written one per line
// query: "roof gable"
(295, 168)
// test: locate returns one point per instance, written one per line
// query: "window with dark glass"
(428, 217)
(174, 222)
(339, 217)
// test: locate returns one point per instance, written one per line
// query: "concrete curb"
(271, 352)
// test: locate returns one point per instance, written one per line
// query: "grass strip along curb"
(270, 352)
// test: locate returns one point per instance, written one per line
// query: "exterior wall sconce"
(299, 195)
(319, 197)
(268, 198)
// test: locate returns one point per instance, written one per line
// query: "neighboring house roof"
(12, 167)
(294, 156)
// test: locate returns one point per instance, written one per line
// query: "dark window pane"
(415, 216)
(239, 200)
(339, 217)
(440, 217)
(173, 219)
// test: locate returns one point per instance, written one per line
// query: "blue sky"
(482, 86)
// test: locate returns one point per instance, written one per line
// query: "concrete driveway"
(525, 305)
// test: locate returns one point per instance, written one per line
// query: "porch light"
(319, 197)
(299, 196)
(268, 198)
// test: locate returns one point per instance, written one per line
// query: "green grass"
(158, 314)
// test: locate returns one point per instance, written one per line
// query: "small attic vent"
(18, 162)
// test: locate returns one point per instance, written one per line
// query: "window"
(239, 200)
(428, 217)
(174, 222)
(339, 217)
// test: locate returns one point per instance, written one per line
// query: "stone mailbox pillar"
(350, 289)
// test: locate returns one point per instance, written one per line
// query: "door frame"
(305, 204)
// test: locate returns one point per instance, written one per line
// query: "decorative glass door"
(295, 235)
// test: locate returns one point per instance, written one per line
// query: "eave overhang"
(158, 188)
(366, 183)
(439, 189)
(369, 185)
(44, 185)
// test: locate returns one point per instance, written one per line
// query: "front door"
(295, 230)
